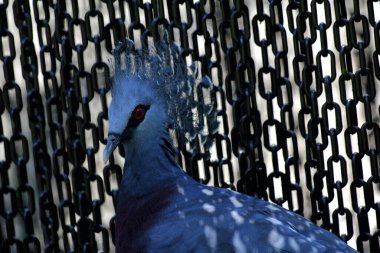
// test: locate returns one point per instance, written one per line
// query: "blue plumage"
(173, 213)
(161, 209)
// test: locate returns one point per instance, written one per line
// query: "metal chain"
(295, 86)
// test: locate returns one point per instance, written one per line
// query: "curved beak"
(113, 141)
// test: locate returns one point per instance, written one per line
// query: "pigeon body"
(161, 209)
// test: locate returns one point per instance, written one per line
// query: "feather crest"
(190, 100)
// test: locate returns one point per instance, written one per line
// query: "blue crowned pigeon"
(162, 209)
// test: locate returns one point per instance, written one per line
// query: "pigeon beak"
(113, 141)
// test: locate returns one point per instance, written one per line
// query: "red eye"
(139, 113)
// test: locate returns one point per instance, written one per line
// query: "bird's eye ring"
(139, 113)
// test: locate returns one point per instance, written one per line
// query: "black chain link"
(295, 84)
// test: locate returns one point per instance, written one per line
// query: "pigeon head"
(135, 114)
(153, 89)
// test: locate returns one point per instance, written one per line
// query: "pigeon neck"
(149, 167)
